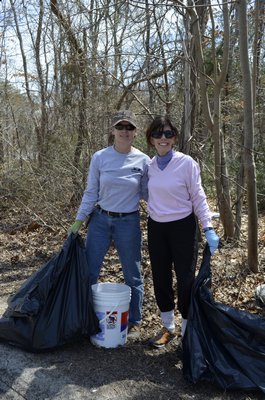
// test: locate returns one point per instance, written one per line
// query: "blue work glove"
(212, 239)
(75, 227)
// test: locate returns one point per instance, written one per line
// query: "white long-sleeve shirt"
(116, 182)
(176, 191)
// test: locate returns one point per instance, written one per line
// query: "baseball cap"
(124, 115)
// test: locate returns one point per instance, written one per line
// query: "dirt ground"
(134, 371)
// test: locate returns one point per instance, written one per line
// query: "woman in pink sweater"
(176, 196)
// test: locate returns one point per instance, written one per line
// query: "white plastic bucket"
(111, 304)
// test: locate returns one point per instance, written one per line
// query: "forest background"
(66, 66)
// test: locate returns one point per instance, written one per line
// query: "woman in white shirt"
(175, 197)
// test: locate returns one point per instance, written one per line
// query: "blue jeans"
(126, 234)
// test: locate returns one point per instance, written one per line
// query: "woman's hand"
(212, 239)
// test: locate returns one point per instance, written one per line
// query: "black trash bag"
(222, 345)
(54, 306)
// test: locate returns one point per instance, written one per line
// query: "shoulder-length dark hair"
(158, 124)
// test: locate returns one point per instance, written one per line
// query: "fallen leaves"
(25, 250)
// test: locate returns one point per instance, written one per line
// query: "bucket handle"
(113, 309)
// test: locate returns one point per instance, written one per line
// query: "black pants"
(174, 243)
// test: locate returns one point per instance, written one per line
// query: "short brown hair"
(158, 124)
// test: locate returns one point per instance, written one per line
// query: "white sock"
(183, 326)
(168, 320)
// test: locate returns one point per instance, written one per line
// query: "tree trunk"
(213, 122)
(184, 140)
(42, 132)
(26, 75)
(250, 172)
(148, 54)
(80, 58)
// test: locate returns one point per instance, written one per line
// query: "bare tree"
(83, 59)
(213, 118)
(248, 139)
(189, 99)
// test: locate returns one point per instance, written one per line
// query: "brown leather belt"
(114, 214)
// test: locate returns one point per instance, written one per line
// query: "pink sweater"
(176, 192)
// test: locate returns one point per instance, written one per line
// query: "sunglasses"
(159, 134)
(128, 127)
